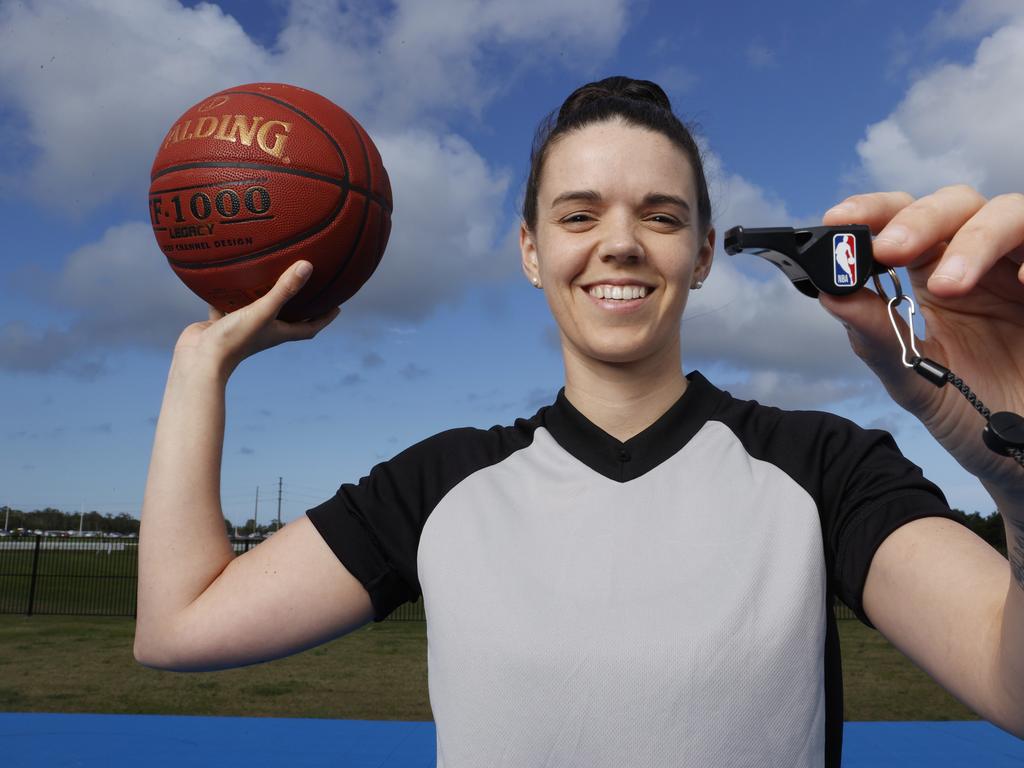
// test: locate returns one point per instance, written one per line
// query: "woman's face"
(616, 245)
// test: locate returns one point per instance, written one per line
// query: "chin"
(619, 355)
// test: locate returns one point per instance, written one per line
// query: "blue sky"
(797, 104)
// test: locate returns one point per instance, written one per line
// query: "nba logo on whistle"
(844, 256)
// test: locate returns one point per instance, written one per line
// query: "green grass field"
(85, 664)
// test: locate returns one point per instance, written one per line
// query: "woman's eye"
(576, 218)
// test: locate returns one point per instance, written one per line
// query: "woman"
(639, 573)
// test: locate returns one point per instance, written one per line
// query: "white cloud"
(748, 317)
(760, 56)
(957, 123)
(119, 291)
(96, 83)
(446, 236)
(973, 18)
(99, 82)
(447, 229)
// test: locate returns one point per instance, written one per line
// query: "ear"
(705, 256)
(528, 250)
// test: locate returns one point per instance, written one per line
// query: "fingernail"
(896, 234)
(952, 268)
(303, 269)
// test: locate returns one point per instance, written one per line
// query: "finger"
(287, 286)
(875, 209)
(865, 316)
(911, 236)
(307, 329)
(994, 232)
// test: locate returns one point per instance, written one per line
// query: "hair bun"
(618, 87)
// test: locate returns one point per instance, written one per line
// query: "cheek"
(560, 258)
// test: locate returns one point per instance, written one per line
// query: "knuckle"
(1013, 199)
(961, 190)
(977, 236)
(927, 207)
(901, 197)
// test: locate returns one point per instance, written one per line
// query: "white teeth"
(622, 292)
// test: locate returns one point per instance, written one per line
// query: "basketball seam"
(312, 122)
(382, 201)
(362, 224)
(274, 248)
(344, 184)
(257, 166)
(233, 183)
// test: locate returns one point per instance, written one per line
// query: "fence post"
(35, 570)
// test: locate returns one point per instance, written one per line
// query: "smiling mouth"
(619, 292)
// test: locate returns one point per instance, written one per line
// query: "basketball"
(256, 177)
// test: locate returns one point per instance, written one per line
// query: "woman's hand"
(963, 254)
(226, 340)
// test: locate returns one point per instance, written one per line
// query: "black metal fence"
(98, 577)
(88, 576)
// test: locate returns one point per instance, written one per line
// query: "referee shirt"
(663, 601)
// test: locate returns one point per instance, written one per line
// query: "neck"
(623, 399)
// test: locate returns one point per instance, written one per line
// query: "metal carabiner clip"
(893, 305)
(925, 367)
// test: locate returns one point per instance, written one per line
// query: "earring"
(697, 285)
(536, 283)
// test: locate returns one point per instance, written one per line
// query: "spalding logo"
(270, 135)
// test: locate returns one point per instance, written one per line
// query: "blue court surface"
(158, 741)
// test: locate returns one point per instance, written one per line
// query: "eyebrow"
(591, 196)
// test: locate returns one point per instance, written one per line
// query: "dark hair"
(637, 102)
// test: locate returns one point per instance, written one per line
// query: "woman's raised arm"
(200, 606)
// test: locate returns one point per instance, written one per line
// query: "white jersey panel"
(711, 569)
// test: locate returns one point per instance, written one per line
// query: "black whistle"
(835, 260)
(1004, 432)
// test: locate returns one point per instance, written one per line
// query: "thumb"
(287, 286)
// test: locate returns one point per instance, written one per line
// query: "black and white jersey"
(659, 602)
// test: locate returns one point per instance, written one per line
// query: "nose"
(620, 242)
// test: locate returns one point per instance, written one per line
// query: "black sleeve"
(871, 489)
(374, 526)
(864, 487)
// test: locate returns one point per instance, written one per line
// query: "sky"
(796, 105)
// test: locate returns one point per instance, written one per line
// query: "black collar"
(644, 451)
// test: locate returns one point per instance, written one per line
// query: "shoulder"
(766, 429)
(437, 463)
(471, 446)
(832, 457)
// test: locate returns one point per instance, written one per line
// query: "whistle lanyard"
(1004, 431)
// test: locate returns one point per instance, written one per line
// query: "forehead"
(616, 159)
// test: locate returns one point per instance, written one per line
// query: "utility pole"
(81, 516)
(278, 504)
(7, 517)
(256, 512)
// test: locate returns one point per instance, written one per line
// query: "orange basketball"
(256, 177)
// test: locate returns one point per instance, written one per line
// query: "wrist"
(188, 365)
(1009, 500)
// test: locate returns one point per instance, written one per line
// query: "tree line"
(51, 519)
(989, 528)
